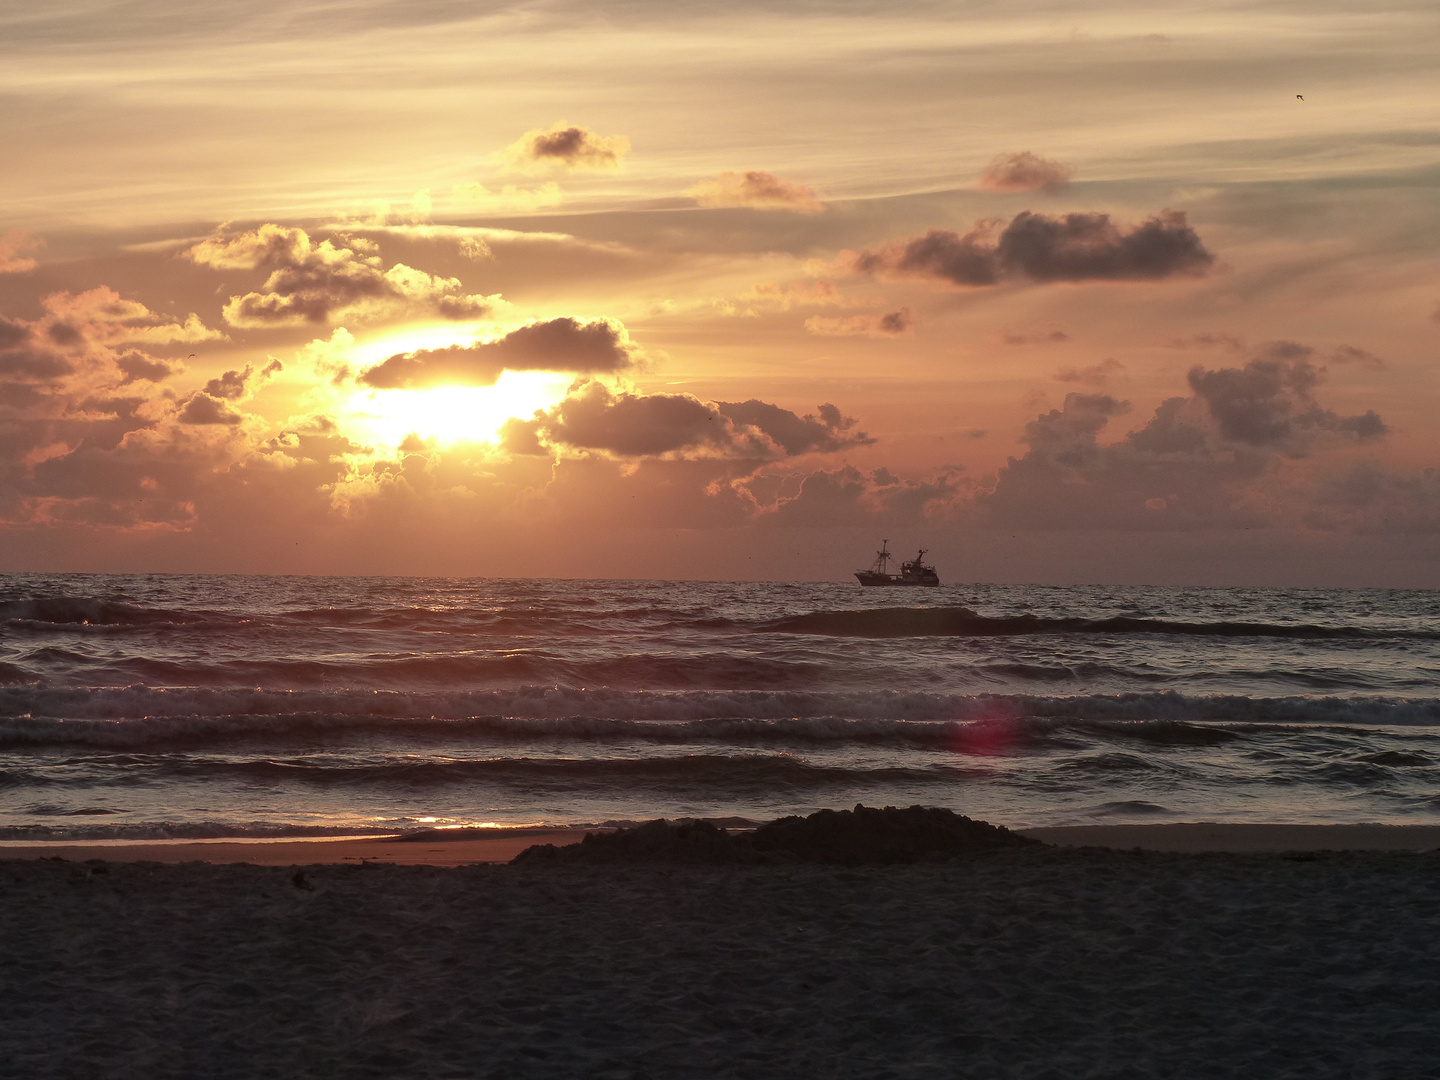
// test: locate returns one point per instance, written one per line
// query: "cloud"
(1221, 458)
(1353, 354)
(1024, 172)
(1052, 337)
(103, 315)
(565, 146)
(759, 190)
(601, 346)
(891, 324)
(828, 498)
(325, 282)
(819, 293)
(204, 408)
(1209, 341)
(1268, 403)
(634, 425)
(237, 385)
(940, 254)
(1084, 247)
(13, 246)
(512, 199)
(138, 367)
(1095, 375)
(826, 432)
(1075, 247)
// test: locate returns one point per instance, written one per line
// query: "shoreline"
(505, 844)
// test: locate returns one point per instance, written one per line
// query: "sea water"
(214, 706)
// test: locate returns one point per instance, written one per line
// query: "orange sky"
(1061, 291)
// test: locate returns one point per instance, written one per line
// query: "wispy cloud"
(1024, 172)
(758, 190)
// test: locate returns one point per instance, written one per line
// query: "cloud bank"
(1219, 458)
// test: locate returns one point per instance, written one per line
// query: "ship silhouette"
(914, 572)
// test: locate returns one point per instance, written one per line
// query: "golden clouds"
(328, 281)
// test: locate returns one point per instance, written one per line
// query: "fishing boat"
(914, 572)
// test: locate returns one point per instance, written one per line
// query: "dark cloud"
(1269, 403)
(202, 408)
(25, 361)
(634, 425)
(593, 417)
(567, 146)
(940, 253)
(235, 385)
(1210, 460)
(138, 366)
(12, 333)
(319, 283)
(1089, 247)
(601, 346)
(1365, 497)
(1024, 172)
(829, 431)
(1075, 247)
(760, 190)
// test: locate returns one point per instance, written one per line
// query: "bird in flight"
(1300, 96)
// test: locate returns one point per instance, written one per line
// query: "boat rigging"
(914, 572)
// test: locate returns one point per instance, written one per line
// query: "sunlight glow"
(452, 414)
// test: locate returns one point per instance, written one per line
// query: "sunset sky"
(1064, 292)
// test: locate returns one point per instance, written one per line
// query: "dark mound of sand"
(863, 836)
(868, 835)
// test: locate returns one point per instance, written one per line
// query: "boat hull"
(870, 577)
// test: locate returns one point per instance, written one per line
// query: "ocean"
(157, 706)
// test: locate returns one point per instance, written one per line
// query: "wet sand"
(502, 845)
(497, 846)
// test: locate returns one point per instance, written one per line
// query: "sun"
(452, 414)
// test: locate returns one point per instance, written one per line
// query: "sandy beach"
(502, 845)
(1060, 962)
